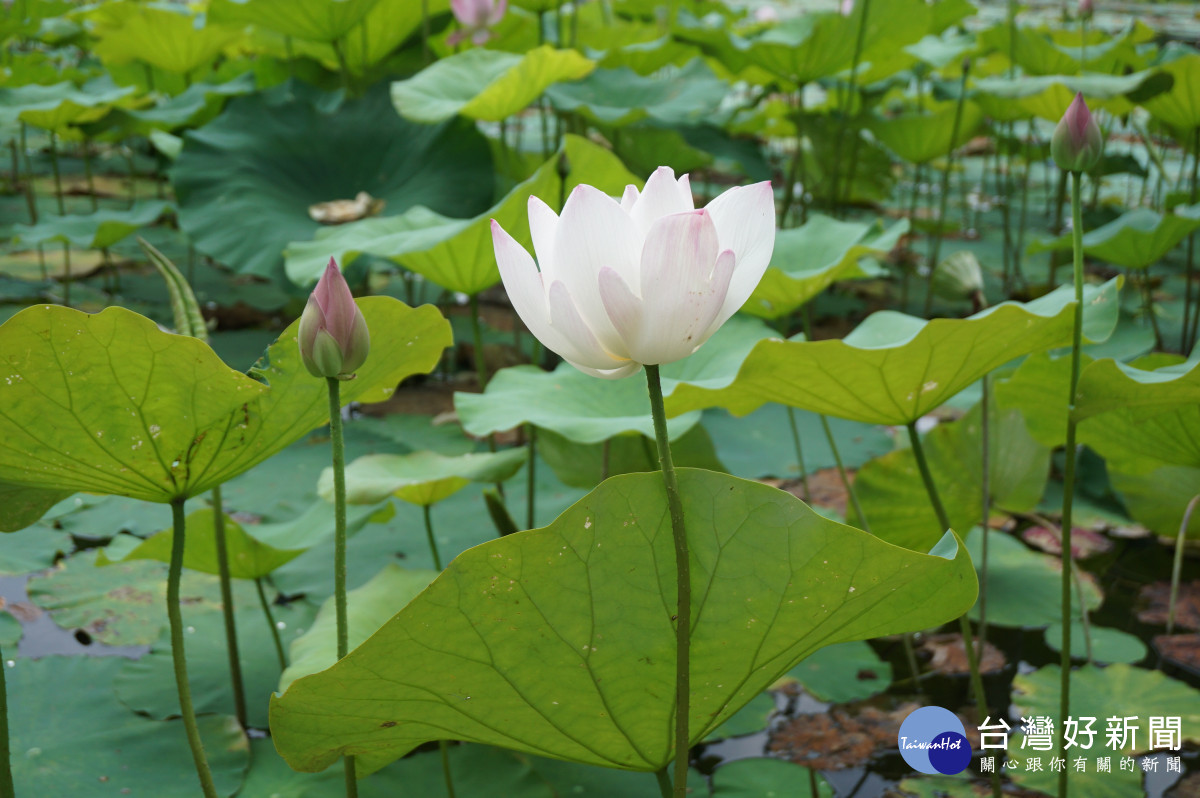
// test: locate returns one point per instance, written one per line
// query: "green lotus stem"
(231, 641)
(337, 441)
(683, 613)
(1059, 200)
(175, 620)
(664, 782)
(1025, 176)
(935, 247)
(87, 171)
(1069, 467)
(25, 151)
(445, 751)
(846, 483)
(433, 549)
(1188, 337)
(796, 168)
(791, 412)
(910, 654)
(266, 608)
(847, 97)
(1176, 564)
(343, 67)
(531, 487)
(1008, 254)
(1148, 306)
(6, 778)
(58, 190)
(986, 498)
(964, 624)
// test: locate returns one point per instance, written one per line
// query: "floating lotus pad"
(495, 651)
(893, 368)
(294, 148)
(921, 136)
(689, 95)
(485, 84)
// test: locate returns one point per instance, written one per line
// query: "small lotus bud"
(333, 334)
(1077, 144)
(1086, 9)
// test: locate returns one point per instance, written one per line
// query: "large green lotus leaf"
(485, 84)
(920, 137)
(1039, 54)
(1106, 385)
(421, 478)
(367, 609)
(892, 493)
(810, 258)
(315, 20)
(1038, 388)
(1136, 239)
(291, 152)
(686, 96)
(1024, 586)
(893, 368)
(1113, 691)
(583, 465)
(1048, 96)
(1179, 107)
(814, 46)
(248, 559)
(108, 403)
(62, 104)
(21, 505)
(551, 642)
(167, 39)
(147, 685)
(76, 739)
(586, 410)
(457, 254)
(1158, 499)
(477, 770)
(151, 415)
(97, 230)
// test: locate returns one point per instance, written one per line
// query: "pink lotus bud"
(333, 334)
(476, 18)
(1086, 9)
(1077, 144)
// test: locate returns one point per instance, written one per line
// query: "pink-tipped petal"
(580, 343)
(1077, 117)
(542, 221)
(464, 11)
(337, 303)
(662, 196)
(745, 222)
(593, 232)
(496, 12)
(678, 292)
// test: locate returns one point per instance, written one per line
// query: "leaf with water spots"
(560, 642)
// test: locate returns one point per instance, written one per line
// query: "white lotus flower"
(643, 281)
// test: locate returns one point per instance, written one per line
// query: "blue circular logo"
(932, 740)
